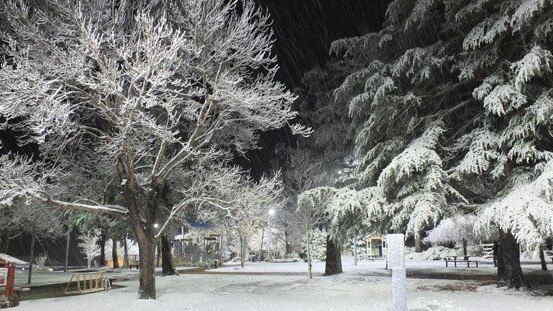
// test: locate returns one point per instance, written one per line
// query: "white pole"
(269, 234)
(269, 245)
(396, 262)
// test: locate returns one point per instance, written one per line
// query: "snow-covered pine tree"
(324, 158)
(343, 212)
(480, 69)
(151, 97)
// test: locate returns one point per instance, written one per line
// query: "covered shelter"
(375, 245)
(198, 245)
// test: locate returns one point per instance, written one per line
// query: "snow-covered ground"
(285, 287)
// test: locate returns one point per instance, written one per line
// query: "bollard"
(396, 262)
(399, 295)
(396, 250)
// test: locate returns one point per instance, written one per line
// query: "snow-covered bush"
(433, 253)
(456, 229)
(41, 260)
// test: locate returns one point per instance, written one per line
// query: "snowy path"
(269, 288)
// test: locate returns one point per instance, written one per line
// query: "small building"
(375, 245)
(200, 245)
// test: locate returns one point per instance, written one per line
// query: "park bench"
(87, 282)
(487, 250)
(134, 261)
(366, 257)
(455, 260)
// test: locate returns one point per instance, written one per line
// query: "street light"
(156, 225)
(271, 214)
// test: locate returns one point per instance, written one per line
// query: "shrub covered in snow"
(433, 253)
(438, 252)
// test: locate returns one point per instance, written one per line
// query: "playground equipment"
(9, 297)
(87, 282)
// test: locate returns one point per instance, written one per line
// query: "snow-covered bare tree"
(246, 207)
(141, 104)
(311, 215)
(459, 228)
(475, 76)
(88, 243)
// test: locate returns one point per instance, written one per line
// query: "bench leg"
(477, 264)
(455, 263)
(468, 264)
(446, 264)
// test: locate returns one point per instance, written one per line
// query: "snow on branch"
(417, 157)
(535, 63)
(526, 210)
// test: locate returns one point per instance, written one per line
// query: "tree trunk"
(542, 259)
(167, 266)
(333, 263)
(147, 281)
(143, 228)
(32, 257)
(125, 252)
(242, 251)
(418, 246)
(158, 256)
(67, 241)
(114, 256)
(287, 246)
(222, 248)
(509, 271)
(261, 247)
(355, 251)
(465, 248)
(102, 249)
(309, 262)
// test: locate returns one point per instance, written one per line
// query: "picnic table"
(464, 259)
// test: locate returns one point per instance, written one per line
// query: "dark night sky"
(304, 30)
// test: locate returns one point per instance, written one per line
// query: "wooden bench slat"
(455, 261)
